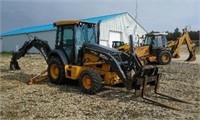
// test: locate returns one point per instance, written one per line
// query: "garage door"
(114, 36)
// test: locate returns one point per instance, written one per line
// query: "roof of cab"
(66, 22)
(70, 22)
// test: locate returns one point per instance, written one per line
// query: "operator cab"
(157, 40)
(71, 35)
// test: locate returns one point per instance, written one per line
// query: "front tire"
(56, 72)
(164, 57)
(90, 81)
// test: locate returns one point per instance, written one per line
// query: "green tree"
(194, 35)
(176, 34)
(169, 36)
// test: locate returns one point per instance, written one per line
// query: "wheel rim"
(165, 58)
(87, 82)
(54, 70)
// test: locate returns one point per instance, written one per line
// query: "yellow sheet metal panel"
(76, 71)
(90, 58)
(66, 22)
(68, 71)
(73, 72)
(142, 51)
(124, 48)
(105, 67)
(111, 78)
(152, 58)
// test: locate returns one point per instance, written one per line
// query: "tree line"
(194, 35)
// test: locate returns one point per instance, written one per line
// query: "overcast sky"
(156, 15)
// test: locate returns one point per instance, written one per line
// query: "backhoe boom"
(39, 44)
(175, 46)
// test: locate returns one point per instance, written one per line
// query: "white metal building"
(13, 40)
(115, 27)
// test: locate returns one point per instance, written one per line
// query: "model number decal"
(103, 56)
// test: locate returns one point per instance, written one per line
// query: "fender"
(60, 54)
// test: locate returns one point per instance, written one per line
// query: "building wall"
(123, 24)
(1, 41)
(14, 42)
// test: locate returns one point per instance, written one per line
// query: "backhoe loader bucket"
(192, 56)
(14, 65)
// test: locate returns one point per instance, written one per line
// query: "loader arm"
(175, 49)
(39, 44)
(127, 66)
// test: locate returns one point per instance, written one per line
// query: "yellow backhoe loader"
(78, 56)
(156, 49)
(152, 50)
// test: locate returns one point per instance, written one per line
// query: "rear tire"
(164, 57)
(56, 72)
(90, 81)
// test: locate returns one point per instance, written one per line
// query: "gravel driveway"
(45, 100)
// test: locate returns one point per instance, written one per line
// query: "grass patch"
(5, 54)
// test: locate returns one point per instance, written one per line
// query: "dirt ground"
(45, 100)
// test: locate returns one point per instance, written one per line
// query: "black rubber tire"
(96, 81)
(161, 55)
(61, 76)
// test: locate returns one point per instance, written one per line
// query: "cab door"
(68, 42)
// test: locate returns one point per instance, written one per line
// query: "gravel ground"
(45, 100)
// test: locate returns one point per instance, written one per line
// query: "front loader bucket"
(14, 65)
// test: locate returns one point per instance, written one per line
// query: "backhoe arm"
(175, 50)
(39, 44)
(191, 49)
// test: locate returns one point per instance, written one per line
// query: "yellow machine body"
(143, 52)
(92, 62)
